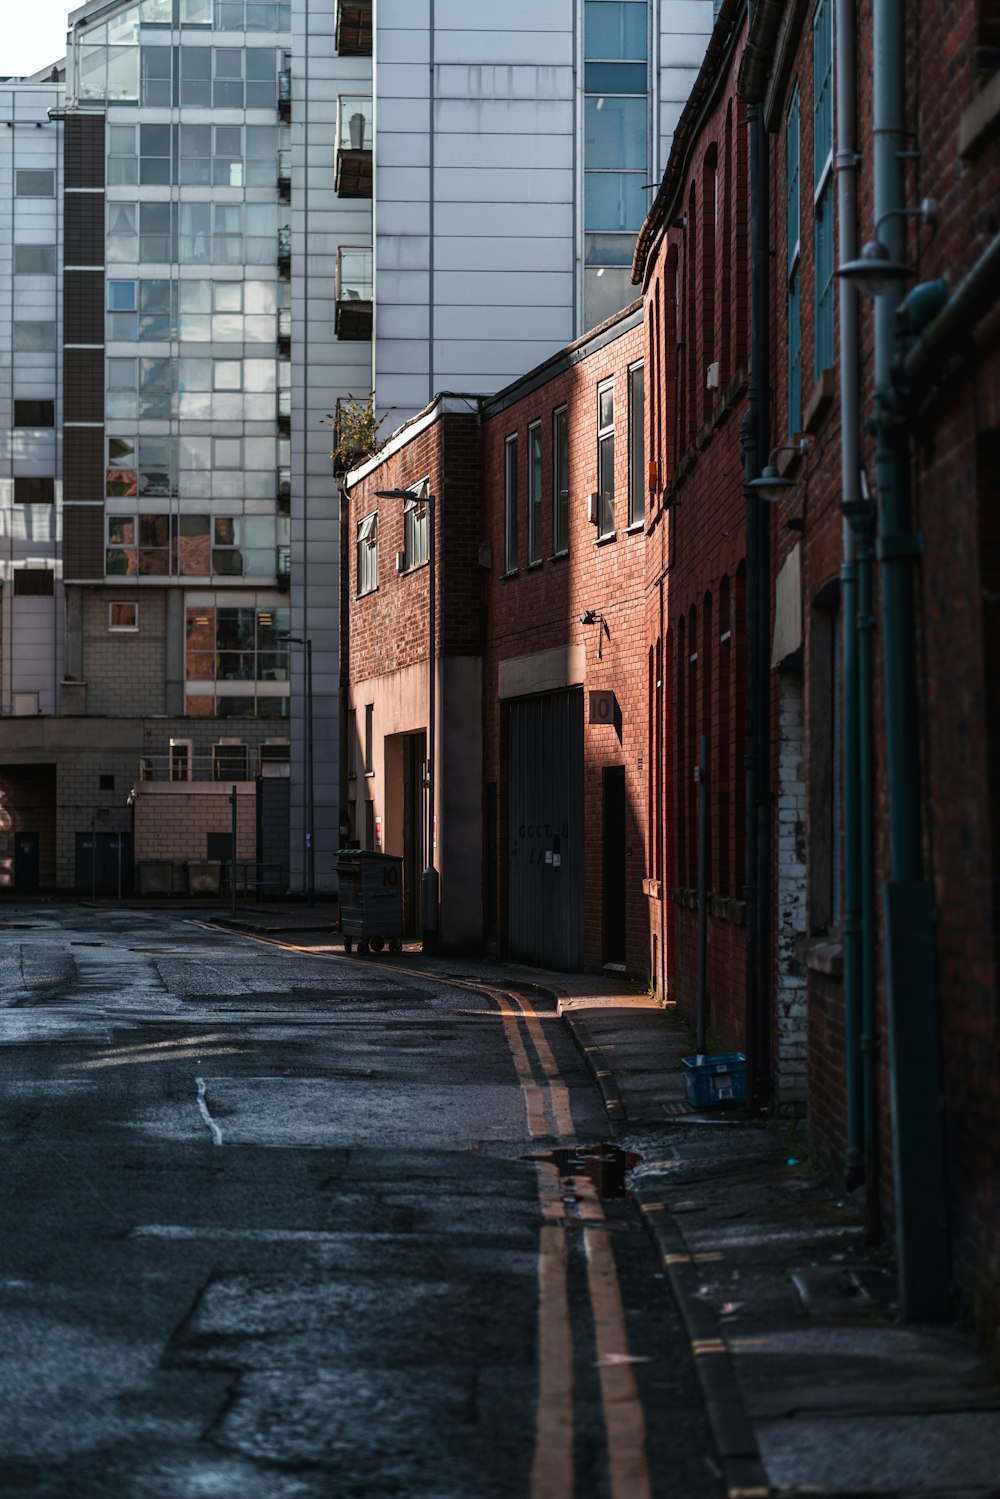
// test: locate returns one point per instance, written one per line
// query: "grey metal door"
(545, 829)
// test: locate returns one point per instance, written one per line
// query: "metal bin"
(371, 900)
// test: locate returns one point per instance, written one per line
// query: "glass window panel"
(194, 374)
(121, 374)
(34, 336)
(154, 232)
(121, 296)
(194, 296)
(227, 374)
(616, 132)
(93, 61)
(119, 448)
(154, 140)
(260, 374)
(227, 249)
(229, 564)
(614, 200)
(261, 63)
(120, 563)
(258, 531)
(121, 140)
(615, 77)
(228, 62)
(260, 15)
(196, 12)
(154, 75)
(227, 296)
(156, 12)
(605, 292)
(258, 485)
(228, 452)
(195, 452)
(262, 142)
(122, 483)
(154, 530)
(123, 327)
(228, 140)
(124, 27)
(154, 389)
(121, 530)
(196, 63)
(195, 406)
(227, 328)
(227, 484)
(258, 330)
(615, 29)
(229, 15)
(38, 260)
(227, 530)
(259, 408)
(195, 140)
(258, 452)
(121, 405)
(122, 170)
(123, 72)
(227, 407)
(200, 667)
(608, 249)
(260, 296)
(196, 233)
(154, 295)
(154, 561)
(606, 407)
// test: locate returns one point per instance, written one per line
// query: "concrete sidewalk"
(811, 1382)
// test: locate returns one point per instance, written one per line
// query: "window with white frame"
(606, 458)
(368, 553)
(560, 480)
(415, 526)
(823, 255)
(510, 505)
(636, 446)
(123, 615)
(535, 492)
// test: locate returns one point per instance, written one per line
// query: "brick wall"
(124, 671)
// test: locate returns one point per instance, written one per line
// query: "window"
(34, 337)
(606, 459)
(123, 616)
(369, 739)
(560, 481)
(34, 260)
(34, 184)
(155, 155)
(229, 761)
(34, 490)
(636, 446)
(352, 743)
(105, 783)
(34, 582)
(616, 150)
(823, 319)
(181, 759)
(415, 548)
(34, 413)
(368, 553)
(236, 662)
(510, 505)
(535, 492)
(794, 269)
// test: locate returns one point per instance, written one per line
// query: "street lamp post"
(430, 887)
(310, 807)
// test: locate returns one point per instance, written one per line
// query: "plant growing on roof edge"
(355, 431)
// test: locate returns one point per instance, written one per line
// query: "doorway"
(26, 863)
(414, 824)
(614, 865)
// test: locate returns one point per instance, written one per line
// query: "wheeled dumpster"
(371, 900)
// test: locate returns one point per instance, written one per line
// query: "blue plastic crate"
(718, 1079)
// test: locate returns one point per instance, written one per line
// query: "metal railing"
(232, 762)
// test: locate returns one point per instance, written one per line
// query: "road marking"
(203, 1109)
(562, 1114)
(624, 1422)
(140, 1058)
(552, 1470)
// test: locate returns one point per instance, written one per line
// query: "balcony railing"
(229, 762)
(354, 28)
(355, 118)
(283, 408)
(284, 176)
(284, 330)
(354, 293)
(283, 490)
(285, 93)
(285, 250)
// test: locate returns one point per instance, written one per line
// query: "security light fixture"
(772, 486)
(876, 273)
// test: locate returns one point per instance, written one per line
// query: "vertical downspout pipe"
(702, 989)
(846, 162)
(908, 906)
(754, 438)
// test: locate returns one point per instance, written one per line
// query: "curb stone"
(743, 1470)
(601, 1070)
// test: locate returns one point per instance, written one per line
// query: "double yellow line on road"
(567, 1204)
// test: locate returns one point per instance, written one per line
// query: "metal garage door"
(545, 829)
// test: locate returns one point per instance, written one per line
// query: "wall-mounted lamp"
(595, 617)
(771, 486)
(875, 273)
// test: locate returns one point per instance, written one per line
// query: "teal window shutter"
(794, 264)
(823, 246)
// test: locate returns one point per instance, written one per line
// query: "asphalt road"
(279, 1225)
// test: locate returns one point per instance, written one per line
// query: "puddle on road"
(606, 1165)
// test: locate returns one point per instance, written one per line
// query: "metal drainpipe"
(854, 510)
(910, 955)
(754, 434)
